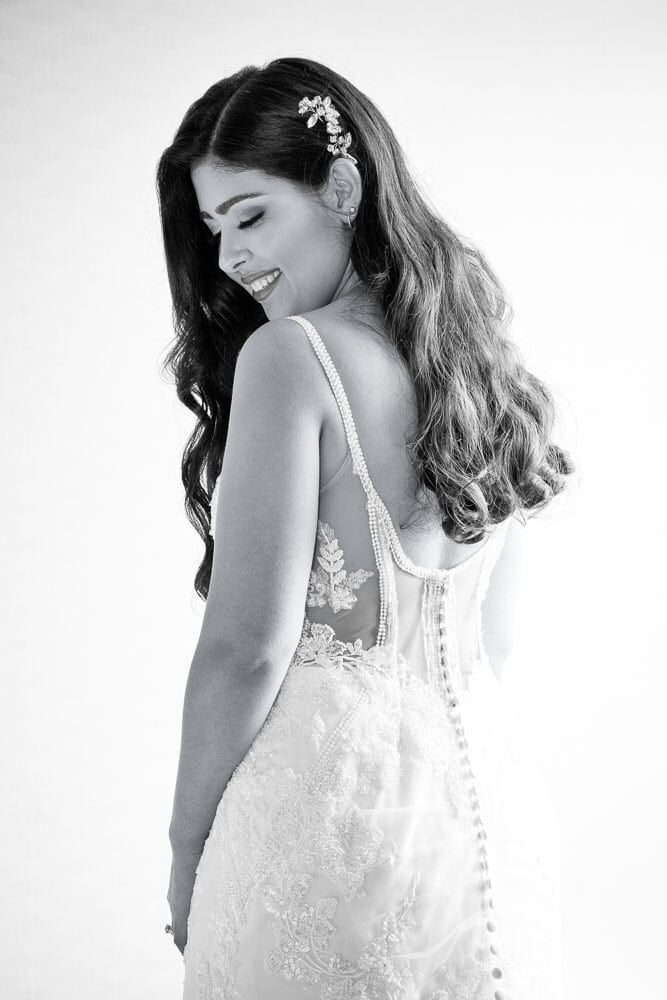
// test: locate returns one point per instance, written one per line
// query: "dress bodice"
(365, 587)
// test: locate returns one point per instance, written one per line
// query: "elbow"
(232, 655)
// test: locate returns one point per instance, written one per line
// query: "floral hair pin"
(324, 110)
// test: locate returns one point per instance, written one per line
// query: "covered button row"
(496, 972)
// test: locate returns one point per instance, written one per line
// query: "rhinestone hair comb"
(324, 110)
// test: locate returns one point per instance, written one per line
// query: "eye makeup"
(212, 237)
(250, 222)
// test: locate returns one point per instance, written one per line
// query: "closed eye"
(250, 222)
(212, 237)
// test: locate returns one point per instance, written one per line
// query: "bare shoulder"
(277, 360)
(381, 396)
(285, 338)
(276, 341)
(361, 350)
(348, 328)
(280, 354)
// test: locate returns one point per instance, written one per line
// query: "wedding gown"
(386, 836)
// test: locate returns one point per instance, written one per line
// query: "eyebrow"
(226, 205)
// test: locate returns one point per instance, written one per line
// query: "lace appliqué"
(316, 830)
(467, 980)
(331, 583)
(211, 979)
(319, 645)
(425, 733)
(302, 932)
(313, 826)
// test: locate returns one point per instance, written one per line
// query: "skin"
(304, 234)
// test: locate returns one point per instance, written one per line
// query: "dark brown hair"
(482, 443)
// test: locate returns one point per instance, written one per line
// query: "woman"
(353, 815)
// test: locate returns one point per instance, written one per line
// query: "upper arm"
(501, 605)
(266, 519)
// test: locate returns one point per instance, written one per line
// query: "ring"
(169, 929)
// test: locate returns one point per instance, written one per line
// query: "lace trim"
(319, 644)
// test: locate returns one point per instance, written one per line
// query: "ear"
(344, 187)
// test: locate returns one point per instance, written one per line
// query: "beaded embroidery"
(330, 583)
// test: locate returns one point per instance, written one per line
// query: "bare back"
(382, 398)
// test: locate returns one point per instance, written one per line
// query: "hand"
(179, 896)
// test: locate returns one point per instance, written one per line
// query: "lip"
(247, 279)
(265, 292)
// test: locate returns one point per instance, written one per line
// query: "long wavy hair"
(484, 423)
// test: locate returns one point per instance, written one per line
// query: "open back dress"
(386, 837)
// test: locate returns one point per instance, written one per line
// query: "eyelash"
(242, 225)
(250, 222)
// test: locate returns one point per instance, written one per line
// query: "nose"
(230, 257)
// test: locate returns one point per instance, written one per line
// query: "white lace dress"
(386, 837)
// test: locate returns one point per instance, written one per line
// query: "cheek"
(306, 249)
(308, 233)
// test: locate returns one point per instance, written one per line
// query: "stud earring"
(351, 211)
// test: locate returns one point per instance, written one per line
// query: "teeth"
(266, 280)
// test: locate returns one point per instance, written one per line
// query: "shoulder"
(278, 362)
(280, 341)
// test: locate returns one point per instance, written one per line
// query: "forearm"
(225, 706)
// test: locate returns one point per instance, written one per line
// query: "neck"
(349, 282)
(351, 291)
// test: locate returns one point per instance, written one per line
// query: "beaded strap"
(358, 460)
(377, 508)
(374, 504)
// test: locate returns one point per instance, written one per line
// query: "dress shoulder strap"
(377, 510)
(358, 461)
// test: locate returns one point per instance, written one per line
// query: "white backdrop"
(538, 129)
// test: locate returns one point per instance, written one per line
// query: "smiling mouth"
(263, 288)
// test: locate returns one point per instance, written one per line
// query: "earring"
(351, 211)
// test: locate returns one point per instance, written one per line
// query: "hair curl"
(484, 422)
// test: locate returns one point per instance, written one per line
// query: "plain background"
(538, 130)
